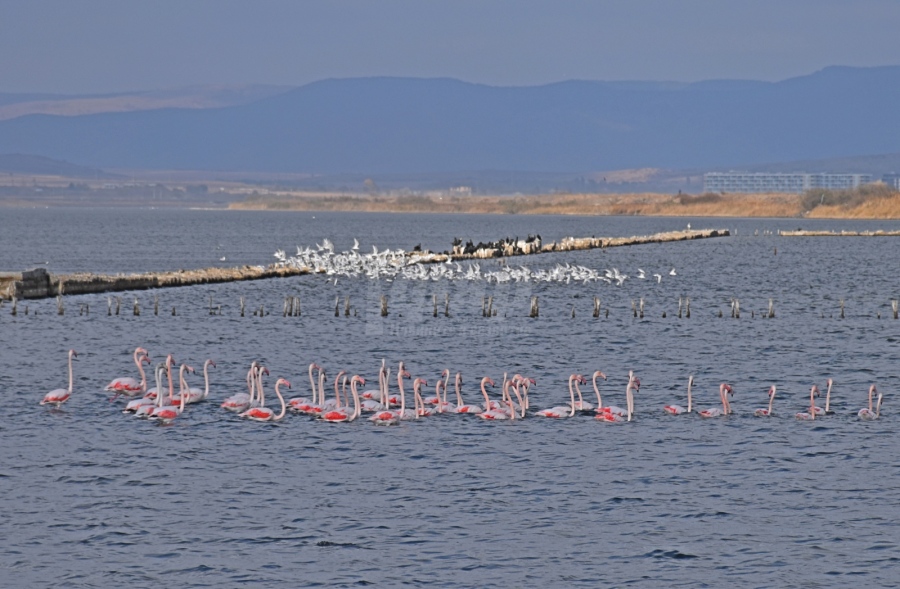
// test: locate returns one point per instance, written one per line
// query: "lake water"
(92, 498)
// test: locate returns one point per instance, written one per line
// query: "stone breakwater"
(38, 283)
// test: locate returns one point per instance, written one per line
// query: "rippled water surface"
(92, 498)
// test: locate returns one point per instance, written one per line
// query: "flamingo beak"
(213, 364)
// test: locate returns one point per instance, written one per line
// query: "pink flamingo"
(195, 395)
(560, 411)
(145, 406)
(420, 409)
(678, 409)
(241, 401)
(460, 406)
(811, 414)
(371, 404)
(344, 415)
(491, 413)
(634, 383)
(59, 396)
(613, 416)
(167, 413)
(443, 381)
(597, 374)
(152, 393)
(375, 393)
(296, 402)
(724, 390)
(828, 410)
(127, 385)
(388, 417)
(767, 412)
(263, 413)
(867, 413)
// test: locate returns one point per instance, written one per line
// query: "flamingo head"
(144, 360)
(73, 353)
(445, 373)
(170, 359)
(406, 374)
(829, 382)
(358, 379)
(772, 391)
(598, 374)
(636, 383)
(582, 379)
(872, 389)
(727, 389)
(189, 368)
(264, 369)
(284, 382)
(814, 390)
(488, 381)
(210, 362)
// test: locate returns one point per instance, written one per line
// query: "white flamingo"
(57, 397)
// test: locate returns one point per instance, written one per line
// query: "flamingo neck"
(169, 372)
(71, 377)
(690, 382)
(771, 400)
(259, 386)
(281, 400)
(580, 398)
(629, 400)
(487, 400)
(828, 396)
(312, 383)
(597, 390)
(515, 387)
(143, 375)
(356, 407)
(206, 379)
(321, 398)
(572, 397)
(459, 400)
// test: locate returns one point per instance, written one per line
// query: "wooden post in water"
(137, 308)
(384, 306)
(484, 306)
(573, 311)
(596, 307)
(894, 307)
(535, 308)
(641, 314)
(15, 306)
(737, 309)
(173, 311)
(297, 306)
(60, 308)
(680, 302)
(446, 304)
(490, 309)
(434, 305)
(210, 304)
(842, 308)
(633, 309)
(156, 304)
(687, 305)
(771, 314)
(109, 306)
(337, 305)
(242, 306)
(347, 306)
(118, 305)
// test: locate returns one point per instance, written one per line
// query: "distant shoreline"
(784, 206)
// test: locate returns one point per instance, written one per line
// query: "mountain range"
(440, 126)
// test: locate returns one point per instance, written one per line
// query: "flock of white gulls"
(390, 264)
(165, 404)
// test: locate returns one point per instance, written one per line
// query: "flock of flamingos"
(164, 404)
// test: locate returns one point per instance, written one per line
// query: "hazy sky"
(83, 46)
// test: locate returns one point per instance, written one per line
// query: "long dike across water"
(38, 283)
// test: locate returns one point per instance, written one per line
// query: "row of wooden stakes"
(292, 308)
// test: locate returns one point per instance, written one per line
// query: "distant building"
(892, 180)
(779, 182)
(461, 190)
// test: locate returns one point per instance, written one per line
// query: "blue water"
(90, 497)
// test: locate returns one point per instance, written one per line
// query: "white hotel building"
(778, 182)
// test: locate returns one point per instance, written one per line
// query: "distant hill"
(17, 163)
(196, 97)
(418, 126)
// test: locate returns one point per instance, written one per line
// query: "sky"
(102, 46)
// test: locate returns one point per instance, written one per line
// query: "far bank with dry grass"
(864, 203)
